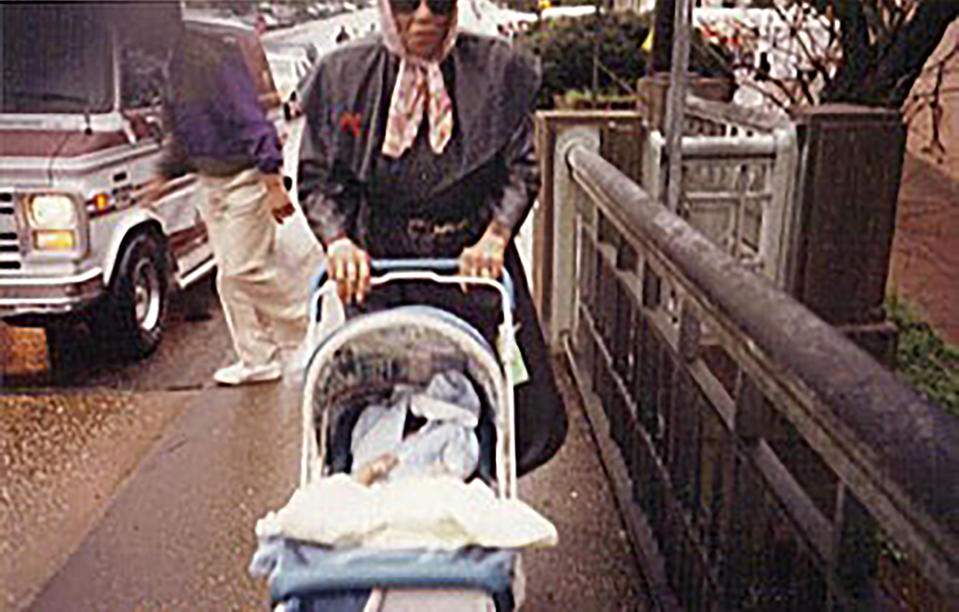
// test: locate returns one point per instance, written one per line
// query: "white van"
(80, 133)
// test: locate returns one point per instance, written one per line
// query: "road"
(480, 16)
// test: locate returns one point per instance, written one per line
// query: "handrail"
(720, 146)
(897, 453)
(733, 114)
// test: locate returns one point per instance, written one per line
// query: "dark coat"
(489, 171)
(347, 101)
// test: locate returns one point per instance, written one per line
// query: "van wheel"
(138, 298)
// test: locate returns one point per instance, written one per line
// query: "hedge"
(565, 47)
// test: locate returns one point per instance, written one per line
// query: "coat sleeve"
(328, 190)
(522, 185)
(522, 74)
(173, 160)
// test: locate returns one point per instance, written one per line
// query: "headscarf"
(417, 78)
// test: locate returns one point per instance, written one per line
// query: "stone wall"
(925, 260)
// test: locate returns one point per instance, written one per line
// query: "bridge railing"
(739, 168)
(762, 460)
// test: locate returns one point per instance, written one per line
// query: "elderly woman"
(419, 143)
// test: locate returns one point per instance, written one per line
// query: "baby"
(445, 444)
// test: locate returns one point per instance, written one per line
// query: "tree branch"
(857, 54)
(903, 63)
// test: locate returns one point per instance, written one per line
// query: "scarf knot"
(419, 85)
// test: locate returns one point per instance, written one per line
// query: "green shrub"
(923, 359)
(565, 47)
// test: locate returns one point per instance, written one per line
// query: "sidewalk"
(593, 567)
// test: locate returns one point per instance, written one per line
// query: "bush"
(923, 359)
(565, 47)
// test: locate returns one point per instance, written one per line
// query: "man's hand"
(485, 258)
(276, 198)
(349, 266)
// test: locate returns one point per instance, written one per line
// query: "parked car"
(286, 15)
(322, 10)
(81, 131)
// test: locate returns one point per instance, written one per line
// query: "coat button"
(424, 176)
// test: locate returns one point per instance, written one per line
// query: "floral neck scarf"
(419, 87)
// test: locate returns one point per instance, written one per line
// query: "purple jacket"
(223, 132)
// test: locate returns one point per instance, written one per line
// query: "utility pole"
(663, 18)
(596, 36)
(676, 101)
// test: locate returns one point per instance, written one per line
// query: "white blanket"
(438, 512)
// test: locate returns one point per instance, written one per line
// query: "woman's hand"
(485, 258)
(349, 266)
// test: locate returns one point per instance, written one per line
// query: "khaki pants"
(263, 309)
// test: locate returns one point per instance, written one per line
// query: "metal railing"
(762, 460)
(738, 172)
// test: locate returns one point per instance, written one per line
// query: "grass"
(923, 359)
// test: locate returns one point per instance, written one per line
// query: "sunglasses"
(437, 7)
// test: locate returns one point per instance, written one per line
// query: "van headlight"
(52, 211)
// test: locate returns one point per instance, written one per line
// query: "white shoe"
(240, 373)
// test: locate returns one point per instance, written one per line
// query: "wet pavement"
(63, 456)
(139, 489)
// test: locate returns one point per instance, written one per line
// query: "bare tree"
(931, 98)
(859, 51)
(885, 44)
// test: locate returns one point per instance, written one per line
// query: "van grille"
(9, 239)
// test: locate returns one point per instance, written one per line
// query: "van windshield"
(55, 58)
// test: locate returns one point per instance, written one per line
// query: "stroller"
(362, 362)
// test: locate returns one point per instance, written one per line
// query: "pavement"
(136, 486)
(593, 568)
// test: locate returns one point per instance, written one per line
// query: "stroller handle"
(387, 270)
(449, 264)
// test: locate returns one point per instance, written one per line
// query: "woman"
(419, 143)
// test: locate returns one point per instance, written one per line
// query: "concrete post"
(847, 185)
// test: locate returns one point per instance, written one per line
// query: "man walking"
(221, 133)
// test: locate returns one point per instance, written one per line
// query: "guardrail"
(762, 460)
(739, 168)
